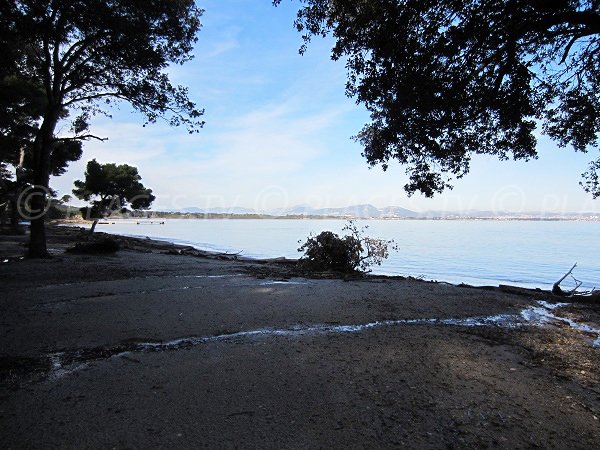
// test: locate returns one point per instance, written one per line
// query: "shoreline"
(153, 348)
(466, 274)
(165, 245)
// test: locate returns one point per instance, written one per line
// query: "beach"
(158, 346)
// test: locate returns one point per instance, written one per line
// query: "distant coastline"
(221, 216)
(160, 215)
(354, 212)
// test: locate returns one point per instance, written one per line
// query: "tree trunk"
(93, 226)
(14, 215)
(37, 239)
(42, 150)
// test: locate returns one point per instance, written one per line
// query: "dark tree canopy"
(109, 188)
(446, 79)
(86, 54)
(23, 103)
(88, 50)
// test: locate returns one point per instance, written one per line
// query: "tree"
(24, 103)
(87, 54)
(446, 79)
(111, 188)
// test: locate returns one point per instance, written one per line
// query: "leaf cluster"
(328, 251)
(89, 53)
(446, 79)
(110, 187)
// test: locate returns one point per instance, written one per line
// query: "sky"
(278, 134)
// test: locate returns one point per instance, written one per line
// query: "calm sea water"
(525, 253)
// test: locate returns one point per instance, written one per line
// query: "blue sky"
(278, 128)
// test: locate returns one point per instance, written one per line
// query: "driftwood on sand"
(592, 295)
(573, 293)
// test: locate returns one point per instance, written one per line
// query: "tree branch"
(93, 97)
(81, 81)
(568, 47)
(83, 137)
(56, 83)
(72, 55)
(47, 69)
(588, 19)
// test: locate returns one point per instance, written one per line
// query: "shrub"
(351, 253)
(328, 251)
(102, 246)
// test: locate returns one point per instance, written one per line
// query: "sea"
(523, 253)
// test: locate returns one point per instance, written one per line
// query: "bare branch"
(83, 137)
(556, 289)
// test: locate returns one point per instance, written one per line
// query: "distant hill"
(396, 211)
(368, 211)
(359, 211)
(365, 211)
(349, 211)
(231, 210)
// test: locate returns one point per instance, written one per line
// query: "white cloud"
(219, 48)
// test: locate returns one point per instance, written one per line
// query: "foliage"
(111, 187)
(446, 79)
(328, 251)
(353, 252)
(87, 54)
(24, 101)
(22, 106)
(58, 211)
(83, 52)
(592, 179)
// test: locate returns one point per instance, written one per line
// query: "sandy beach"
(148, 348)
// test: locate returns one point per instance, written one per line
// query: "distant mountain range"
(233, 210)
(368, 211)
(358, 211)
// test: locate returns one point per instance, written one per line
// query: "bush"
(328, 251)
(351, 253)
(99, 247)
